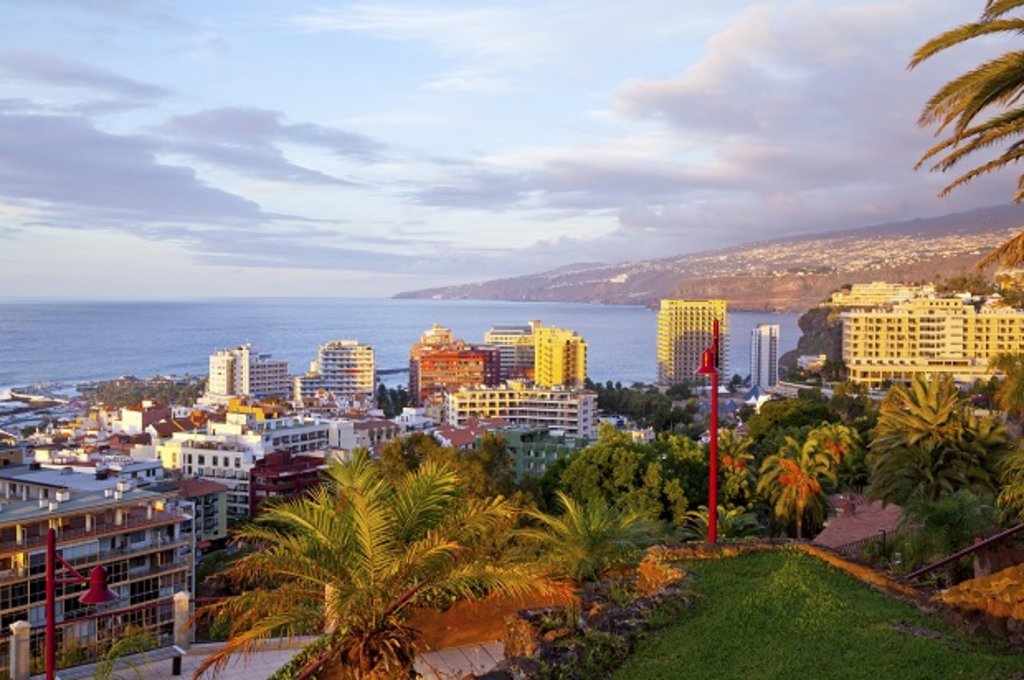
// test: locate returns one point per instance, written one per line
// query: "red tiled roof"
(193, 488)
(857, 519)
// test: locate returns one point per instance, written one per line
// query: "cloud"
(798, 117)
(244, 139)
(38, 67)
(83, 175)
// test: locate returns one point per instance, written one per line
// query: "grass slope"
(784, 614)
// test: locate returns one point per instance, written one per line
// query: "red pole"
(51, 603)
(713, 472)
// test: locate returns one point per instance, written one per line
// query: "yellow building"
(560, 357)
(879, 294)
(684, 332)
(928, 335)
(572, 411)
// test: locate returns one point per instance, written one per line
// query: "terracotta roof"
(193, 488)
(857, 519)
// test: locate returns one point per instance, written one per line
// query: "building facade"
(684, 332)
(136, 535)
(516, 345)
(439, 364)
(560, 357)
(243, 372)
(764, 355)
(928, 336)
(282, 475)
(572, 411)
(533, 450)
(345, 369)
(878, 294)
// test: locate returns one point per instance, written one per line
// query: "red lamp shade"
(98, 592)
(707, 363)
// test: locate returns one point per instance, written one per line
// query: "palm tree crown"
(993, 88)
(794, 481)
(355, 553)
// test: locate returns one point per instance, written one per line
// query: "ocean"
(69, 342)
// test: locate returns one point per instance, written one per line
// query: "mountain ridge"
(784, 274)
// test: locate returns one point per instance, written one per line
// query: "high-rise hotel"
(929, 336)
(764, 355)
(684, 332)
(343, 368)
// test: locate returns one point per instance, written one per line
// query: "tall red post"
(51, 604)
(713, 467)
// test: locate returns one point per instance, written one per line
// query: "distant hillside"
(791, 274)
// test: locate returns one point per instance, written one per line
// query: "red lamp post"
(98, 593)
(709, 367)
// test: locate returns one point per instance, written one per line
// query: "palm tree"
(588, 539)
(928, 442)
(734, 522)
(937, 528)
(736, 458)
(989, 92)
(1011, 477)
(354, 554)
(980, 109)
(1010, 393)
(835, 439)
(793, 480)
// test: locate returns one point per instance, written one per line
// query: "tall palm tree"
(793, 480)
(588, 539)
(355, 554)
(980, 109)
(928, 442)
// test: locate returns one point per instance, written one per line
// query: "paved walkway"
(446, 664)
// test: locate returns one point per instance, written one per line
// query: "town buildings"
(764, 355)
(516, 345)
(136, 534)
(533, 450)
(243, 372)
(344, 370)
(572, 411)
(560, 357)
(929, 336)
(684, 332)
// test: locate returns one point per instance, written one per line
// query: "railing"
(1001, 536)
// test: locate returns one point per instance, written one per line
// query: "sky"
(272, 149)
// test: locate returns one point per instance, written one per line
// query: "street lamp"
(98, 593)
(709, 366)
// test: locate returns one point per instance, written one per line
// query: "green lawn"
(784, 614)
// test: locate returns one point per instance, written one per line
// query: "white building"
(243, 372)
(345, 369)
(572, 410)
(764, 355)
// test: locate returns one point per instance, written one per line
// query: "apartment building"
(136, 534)
(684, 332)
(283, 475)
(572, 411)
(344, 369)
(244, 372)
(560, 357)
(929, 336)
(439, 364)
(879, 294)
(516, 346)
(764, 355)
